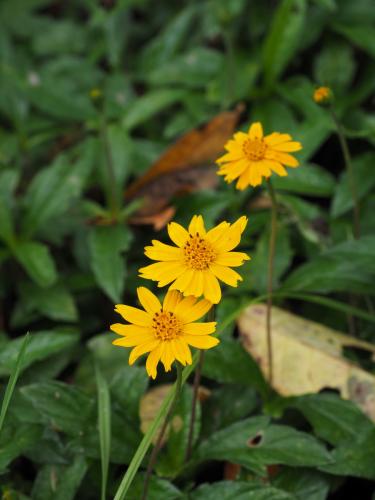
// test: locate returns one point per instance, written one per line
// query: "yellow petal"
(278, 168)
(142, 349)
(226, 274)
(121, 329)
(232, 156)
(216, 232)
(167, 356)
(149, 301)
(152, 361)
(171, 300)
(134, 340)
(276, 138)
(185, 351)
(197, 226)
(212, 290)
(178, 351)
(235, 169)
(134, 315)
(183, 281)
(243, 181)
(283, 158)
(239, 138)
(288, 147)
(160, 251)
(195, 286)
(254, 175)
(199, 328)
(231, 237)
(203, 342)
(256, 131)
(177, 234)
(232, 259)
(188, 311)
(164, 272)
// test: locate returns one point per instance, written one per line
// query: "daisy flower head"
(251, 156)
(165, 331)
(199, 260)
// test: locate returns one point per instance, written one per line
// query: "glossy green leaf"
(107, 243)
(241, 490)
(37, 261)
(41, 345)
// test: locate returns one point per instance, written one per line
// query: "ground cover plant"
(206, 171)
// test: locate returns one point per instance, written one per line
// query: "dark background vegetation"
(66, 256)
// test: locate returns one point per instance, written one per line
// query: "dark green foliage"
(68, 252)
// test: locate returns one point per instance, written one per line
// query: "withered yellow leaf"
(307, 356)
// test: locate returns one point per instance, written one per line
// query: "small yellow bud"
(95, 94)
(322, 95)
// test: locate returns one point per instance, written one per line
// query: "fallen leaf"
(185, 167)
(307, 356)
(150, 405)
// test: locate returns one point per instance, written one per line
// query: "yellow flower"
(252, 156)
(165, 331)
(200, 259)
(322, 95)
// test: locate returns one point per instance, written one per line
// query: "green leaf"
(13, 380)
(302, 484)
(53, 190)
(354, 457)
(158, 489)
(230, 363)
(59, 482)
(37, 261)
(240, 490)
(16, 440)
(361, 35)
(106, 246)
(363, 167)
(254, 443)
(347, 266)
(333, 418)
(55, 302)
(151, 104)
(104, 421)
(283, 39)
(309, 179)
(60, 406)
(6, 223)
(41, 345)
(128, 386)
(335, 66)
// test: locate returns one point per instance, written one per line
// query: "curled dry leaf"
(185, 167)
(307, 356)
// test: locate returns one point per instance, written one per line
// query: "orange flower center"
(198, 253)
(254, 149)
(166, 325)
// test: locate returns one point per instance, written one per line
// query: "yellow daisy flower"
(200, 259)
(252, 156)
(165, 331)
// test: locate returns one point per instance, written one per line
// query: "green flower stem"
(350, 173)
(111, 193)
(271, 259)
(158, 444)
(148, 437)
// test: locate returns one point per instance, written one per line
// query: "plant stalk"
(271, 259)
(112, 195)
(350, 173)
(158, 444)
(196, 384)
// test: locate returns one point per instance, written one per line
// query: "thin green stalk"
(271, 259)
(230, 63)
(112, 192)
(104, 421)
(148, 437)
(158, 444)
(350, 172)
(13, 380)
(196, 384)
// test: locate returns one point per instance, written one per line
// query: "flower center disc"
(198, 253)
(166, 326)
(254, 149)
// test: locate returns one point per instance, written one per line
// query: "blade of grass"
(104, 421)
(13, 380)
